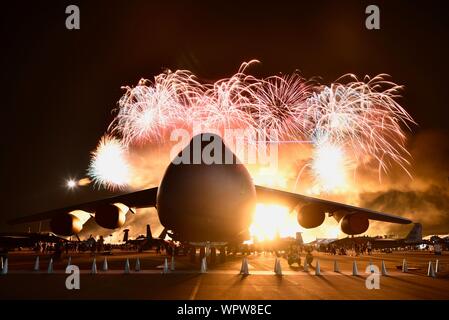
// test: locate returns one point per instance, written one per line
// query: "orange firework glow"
(270, 220)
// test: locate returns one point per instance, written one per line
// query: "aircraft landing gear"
(202, 253)
(192, 254)
(309, 258)
(223, 254)
(213, 255)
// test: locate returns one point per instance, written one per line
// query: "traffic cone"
(36, 264)
(430, 270)
(172, 265)
(355, 271)
(165, 270)
(94, 266)
(384, 269)
(203, 265)
(336, 267)
(306, 266)
(244, 269)
(404, 265)
(50, 266)
(5, 267)
(436, 266)
(317, 268)
(277, 267)
(137, 267)
(105, 265)
(127, 266)
(69, 262)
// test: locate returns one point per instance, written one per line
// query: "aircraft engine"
(311, 215)
(66, 224)
(354, 223)
(111, 216)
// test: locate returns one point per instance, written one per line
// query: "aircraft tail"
(163, 234)
(149, 234)
(125, 235)
(299, 239)
(415, 234)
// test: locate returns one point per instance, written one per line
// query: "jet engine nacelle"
(311, 215)
(354, 223)
(111, 216)
(66, 224)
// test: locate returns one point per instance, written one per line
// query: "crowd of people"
(356, 249)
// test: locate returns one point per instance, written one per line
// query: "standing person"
(92, 244)
(57, 251)
(100, 244)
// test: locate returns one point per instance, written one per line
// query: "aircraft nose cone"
(205, 193)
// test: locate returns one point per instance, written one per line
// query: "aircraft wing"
(291, 200)
(139, 199)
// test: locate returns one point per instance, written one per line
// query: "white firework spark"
(362, 117)
(108, 166)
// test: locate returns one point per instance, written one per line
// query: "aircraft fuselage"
(207, 202)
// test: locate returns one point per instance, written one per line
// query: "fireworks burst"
(348, 122)
(363, 118)
(147, 111)
(108, 166)
(226, 103)
(329, 166)
(280, 104)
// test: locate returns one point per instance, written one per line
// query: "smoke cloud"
(425, 197)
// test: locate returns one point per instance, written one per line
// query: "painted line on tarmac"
(195, 289)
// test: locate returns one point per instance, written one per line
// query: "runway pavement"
(222, 280)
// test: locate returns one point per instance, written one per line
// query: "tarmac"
(222, 279)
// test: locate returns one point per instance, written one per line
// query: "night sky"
(59, 86)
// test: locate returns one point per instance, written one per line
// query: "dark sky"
(59, 86)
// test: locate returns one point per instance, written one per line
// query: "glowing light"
(330, 229)
(108, 166)
(84, 182)
(270, 221)
(329, 167)
(71, 184)
(269, 177)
